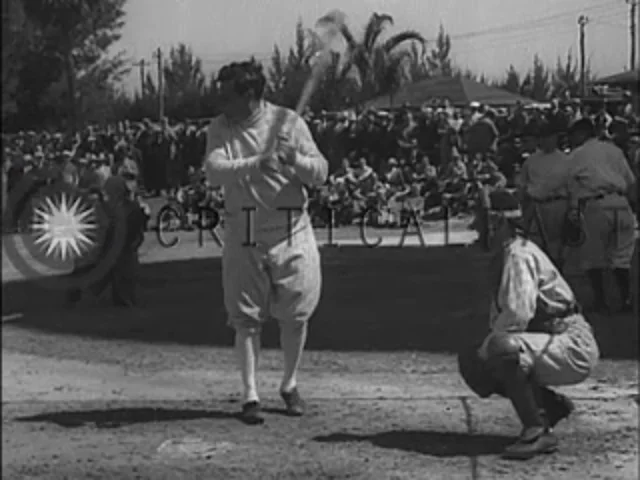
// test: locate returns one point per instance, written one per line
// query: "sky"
(486, 35)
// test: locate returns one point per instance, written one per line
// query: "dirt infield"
(151, 394)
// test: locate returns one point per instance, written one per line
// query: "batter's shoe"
(251, 413)
(532, 442)
(556, 406)
(294, 403)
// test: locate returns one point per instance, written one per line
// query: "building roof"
(459, 91)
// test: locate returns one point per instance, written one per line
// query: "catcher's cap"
(584, 124)
(505, 203)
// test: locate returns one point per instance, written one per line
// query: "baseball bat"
(329, 28)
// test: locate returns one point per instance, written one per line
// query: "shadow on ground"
(437, 444)
(121, 417)
(425, 299)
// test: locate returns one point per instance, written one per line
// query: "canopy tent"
(459, 90)
(629, 79)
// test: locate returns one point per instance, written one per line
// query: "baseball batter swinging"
(263, 155)
(538, 337)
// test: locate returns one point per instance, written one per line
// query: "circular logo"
(67, 239)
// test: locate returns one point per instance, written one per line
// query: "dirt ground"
(152, 393)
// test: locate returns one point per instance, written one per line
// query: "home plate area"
(153, 393)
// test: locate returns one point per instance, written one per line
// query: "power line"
(531, 23)
(510, 41)
(519, 27)
(511, 33)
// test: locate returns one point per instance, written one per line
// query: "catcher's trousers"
(559, 359)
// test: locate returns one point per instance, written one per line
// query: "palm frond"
(402, 37)
(374, 28)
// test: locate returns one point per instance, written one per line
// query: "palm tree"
(566, 77)
(381, 66)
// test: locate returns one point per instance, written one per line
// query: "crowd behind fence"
(382, 163)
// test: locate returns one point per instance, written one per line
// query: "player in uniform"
(601, 186)
(544, 194)
(263, 156)
(538, 337)
(128, 219)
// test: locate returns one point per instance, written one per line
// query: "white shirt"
(529, 281)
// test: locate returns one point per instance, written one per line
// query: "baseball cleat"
(294, 403)
(251, 413)
(531, 444)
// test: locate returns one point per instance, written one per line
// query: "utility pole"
(633, 7)
(582, 22)
(158, 56)
(142, 64)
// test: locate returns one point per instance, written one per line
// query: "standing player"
(263, 156)
(538, 336)
(601, 187)
(545, 198)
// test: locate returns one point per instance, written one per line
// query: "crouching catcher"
(538, 337)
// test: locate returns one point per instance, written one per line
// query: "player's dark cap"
(583, 125)
(505, 203)
(530, 130)
(549, 128)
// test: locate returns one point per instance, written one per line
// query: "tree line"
(58, 72)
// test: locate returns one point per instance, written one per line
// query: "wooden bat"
(328, 28)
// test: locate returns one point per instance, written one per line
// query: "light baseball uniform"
(530, 286)
(278, 275)
(600, 178)
(544, 180)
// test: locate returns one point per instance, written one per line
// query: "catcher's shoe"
(533, 441)
(556, 406)
(251, 413)
(294, 403)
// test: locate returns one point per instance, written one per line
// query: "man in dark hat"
(544, 194)
(128, 224)
(538, 338)
(601, 186)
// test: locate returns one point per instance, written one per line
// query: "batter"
(263, 156)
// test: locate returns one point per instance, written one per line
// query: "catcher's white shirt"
(529, 281)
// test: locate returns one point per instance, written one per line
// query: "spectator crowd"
(382, 162)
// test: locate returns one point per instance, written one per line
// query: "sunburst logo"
(64, 226)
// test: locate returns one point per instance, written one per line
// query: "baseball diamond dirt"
(151, 393)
